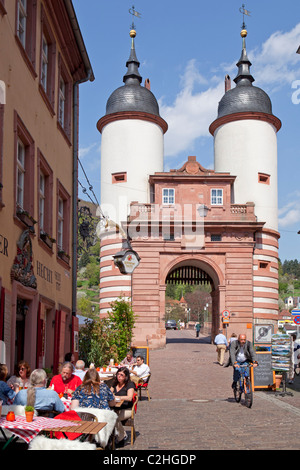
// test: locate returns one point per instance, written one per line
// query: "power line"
(90, 186)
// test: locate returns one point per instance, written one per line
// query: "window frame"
(216, 203)
(63, 75)
(168, 203)
(62, 194)
(119, 177)
(27, 46)
(48, 91)
(22, 134)
(264, 178)
(44, 168)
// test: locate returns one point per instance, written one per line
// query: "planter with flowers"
(63, 256)
(26, 218)
(29, 413)
(47, 239)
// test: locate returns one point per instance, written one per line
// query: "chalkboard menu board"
(143, 352)
(263, 375)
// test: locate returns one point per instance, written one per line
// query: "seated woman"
(21, 379)
(6, 392)
(92, 393)
(129, 360)
(123, 387)
(38, 396)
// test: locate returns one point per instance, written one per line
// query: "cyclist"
(241, 352)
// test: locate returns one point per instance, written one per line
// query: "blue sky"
(186, 49)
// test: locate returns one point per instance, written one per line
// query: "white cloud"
(83, 151)
(191, 113)
(289, 214)
(277, 62)
(189, 116)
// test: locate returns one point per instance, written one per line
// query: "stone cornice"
(243, 116)
(107, 119)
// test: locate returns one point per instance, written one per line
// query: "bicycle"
(244, 385)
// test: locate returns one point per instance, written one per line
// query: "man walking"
(221, 343)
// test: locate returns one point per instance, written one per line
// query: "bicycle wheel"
(248, 392)
(237, 391)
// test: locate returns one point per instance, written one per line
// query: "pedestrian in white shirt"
(140, 370)
(221, 343)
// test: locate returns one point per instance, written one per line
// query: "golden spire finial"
(244, 31)
(132, 32)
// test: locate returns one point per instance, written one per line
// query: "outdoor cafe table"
(20, 428)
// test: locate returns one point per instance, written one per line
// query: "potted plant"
(29, 412)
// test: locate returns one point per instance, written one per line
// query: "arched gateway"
(196, 269)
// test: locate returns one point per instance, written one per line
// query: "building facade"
(193, 224)
(43, 61)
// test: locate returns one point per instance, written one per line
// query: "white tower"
(245, 144)
(132, 148)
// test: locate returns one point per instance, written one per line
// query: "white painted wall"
(134, 146)
(245, 148)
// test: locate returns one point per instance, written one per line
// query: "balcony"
(157, 212)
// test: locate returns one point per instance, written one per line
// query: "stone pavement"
(192, 405)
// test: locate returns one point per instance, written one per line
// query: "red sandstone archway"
(214, 272)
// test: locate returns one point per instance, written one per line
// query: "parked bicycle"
(244, 385)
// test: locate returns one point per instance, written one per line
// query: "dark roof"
(132, 96)
(244, 97)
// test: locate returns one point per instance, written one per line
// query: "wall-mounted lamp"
(202, 210)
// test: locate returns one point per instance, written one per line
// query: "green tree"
(122, 321)
(97, 342)
(92, 274)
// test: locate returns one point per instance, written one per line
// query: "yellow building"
(43, 60)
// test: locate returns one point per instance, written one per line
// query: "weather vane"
(244, 12)
(133, 12)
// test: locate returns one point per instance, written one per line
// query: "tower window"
(264, 265)
(119, 177)
(263, 178)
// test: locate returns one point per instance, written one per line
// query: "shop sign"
(3, 245)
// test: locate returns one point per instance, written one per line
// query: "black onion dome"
(244, 97)
(132, 96)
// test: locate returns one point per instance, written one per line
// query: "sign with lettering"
(263, 375)
(3, 245)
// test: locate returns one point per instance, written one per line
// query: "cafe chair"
(102, 416)
(144, 387)
(130, 421)
(87, 416)
(47, 413)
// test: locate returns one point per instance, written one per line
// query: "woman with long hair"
(124, 388)
(38, 396)
(92, 393)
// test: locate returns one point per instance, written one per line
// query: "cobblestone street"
(192, 405)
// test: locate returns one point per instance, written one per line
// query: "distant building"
(292, 302)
